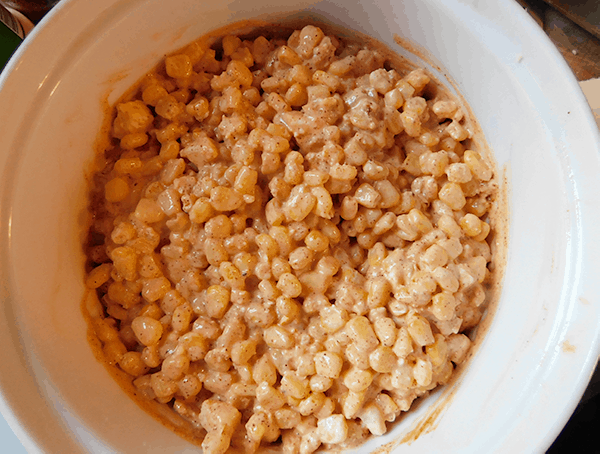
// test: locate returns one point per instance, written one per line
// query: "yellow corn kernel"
(386, 331)
(175, 365)
(288, 56)
(149, 266)
(168, 107)
(114, 351)
(153, 93)
(245, 262)
(457, 131)
(330, 80)
(123, 232)
(328, 364)
(420, 330)
(93, 306)
(330, 230)
(189, 386)
(443, 305)
(231, 274)
(485, 230)
(181, 318)
(448, 225)
(169, 150)
(324, 206)
(458, 347)
(151, 357)
(287, 310)
(243, 351)
(269, 398)
(225, 199)
(245, 181)
(236, 73)
(199, 108)
(316, 241)
(132, 117)
(287, 418)
(117, 312)
(267, 245)
(383, 359)
(289, 285)
(125, 261)
(123, 295)
(296, 95)
(403, 345)
(452, 195)
(279, 266)
(292, 386)
(406, 229)
(352, 403)
(162, 386)
(134, 140)
(333, 318)
(384, 224)
(438, 351)
(278, 337)
(422, 372)
(420, 221)
(151, 310)
(477, 165)
(217, 301)
(98, 275)
(379, 292)
(201, 211)
(105, 332)
(471, 224)
(358, 380)
(171, 301)
(264, 371)
(152, 166)
(178, 66)
(244, 55)
(361, 332)
(435, 256)
(231, 44)
(172, 131)
(312, 404)
(147, 330)
(301, 258)
(260, 426)
(394, 99)
(218, 227)
(128, 165)
(148, 210)
(156, 288)
(195, 345)
(133, 364)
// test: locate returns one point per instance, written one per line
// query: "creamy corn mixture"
(289, 240)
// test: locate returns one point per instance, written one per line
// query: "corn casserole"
(290, 240)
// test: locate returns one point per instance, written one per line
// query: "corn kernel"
(217, 301)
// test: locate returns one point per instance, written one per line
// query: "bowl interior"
(541, 346)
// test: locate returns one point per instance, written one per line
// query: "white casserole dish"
(542, 345)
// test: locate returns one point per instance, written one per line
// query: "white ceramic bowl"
(536, 359)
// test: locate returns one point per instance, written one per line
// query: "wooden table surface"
(580, 48)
